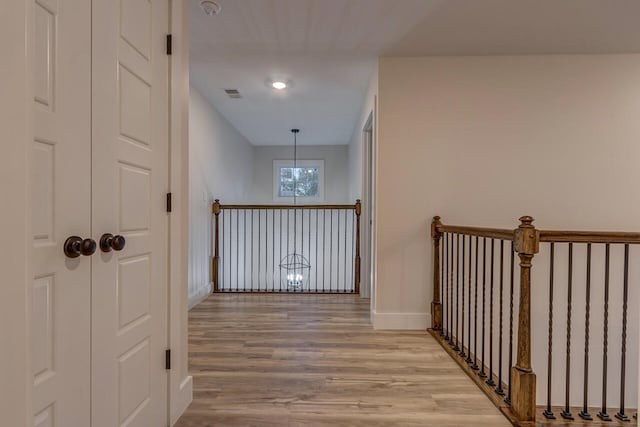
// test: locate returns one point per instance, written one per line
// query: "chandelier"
(295, 267)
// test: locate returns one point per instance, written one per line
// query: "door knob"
(108, 242)
(75, 246)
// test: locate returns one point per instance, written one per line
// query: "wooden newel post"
(436, 304)
(526, 240)
(358, 211)
(216, 247)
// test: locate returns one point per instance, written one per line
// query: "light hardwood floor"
(314, 360)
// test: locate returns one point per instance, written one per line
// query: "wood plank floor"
(314, 360)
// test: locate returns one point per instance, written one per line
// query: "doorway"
(368, 195)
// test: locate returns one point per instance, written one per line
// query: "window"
(306, 179)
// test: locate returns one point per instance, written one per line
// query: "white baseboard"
(184, 398)
(414, 321)
(199, 296)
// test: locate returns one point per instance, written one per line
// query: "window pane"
(305, 181)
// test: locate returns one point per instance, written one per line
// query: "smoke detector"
(211, 8)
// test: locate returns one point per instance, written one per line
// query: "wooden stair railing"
(310, 223)
(516, 398)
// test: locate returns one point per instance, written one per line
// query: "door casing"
(369, 157)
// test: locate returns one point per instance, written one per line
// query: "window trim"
(277, 164)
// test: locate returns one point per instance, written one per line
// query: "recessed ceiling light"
(279, 85)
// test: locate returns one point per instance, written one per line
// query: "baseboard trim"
(199, 296)
(184, 398)
(412, 321)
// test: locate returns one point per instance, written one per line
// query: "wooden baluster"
(603, 415)
(216, 251)
(442, 282)
(474, 366)
(238, 249)
(526, 239)
(584, 414)
(482, 373)
(244, 250)
(447, 300)
(623, 362)
(548, 412)
(469, 359)
(499, 389)
(456, 347)
(507, 400)
(221, 267)
(491, 381)
(357, 260)
(462, 353)
(436, 304)
(450, 284)
(566, 412)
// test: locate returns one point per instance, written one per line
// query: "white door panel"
(130, 180)
(60, 186)
(99, 164)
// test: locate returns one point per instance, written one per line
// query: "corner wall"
(220, 162)
(483, 140)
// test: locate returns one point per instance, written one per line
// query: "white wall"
(336, 177)
(483, 140)
(355, 145)
(15, 297)
(220, 162)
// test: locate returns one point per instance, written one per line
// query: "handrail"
(557, 236)
(265, 207)
(562, 236)
(494, 233)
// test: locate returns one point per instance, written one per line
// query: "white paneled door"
(130, 181)
(99, 164)
(60, 186)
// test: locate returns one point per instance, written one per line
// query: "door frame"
(369, 173)
(16, 106)
(367, 217)
(180, 390)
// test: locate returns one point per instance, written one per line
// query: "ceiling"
(328, 49)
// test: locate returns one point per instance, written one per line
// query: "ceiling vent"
(233, 93)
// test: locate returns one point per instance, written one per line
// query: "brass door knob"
(110, 242)
(75, 246)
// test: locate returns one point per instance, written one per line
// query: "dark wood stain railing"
(519, 405)
(218, 208)
(613, 237)
(285, 207)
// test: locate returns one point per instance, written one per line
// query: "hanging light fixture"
(294, 266)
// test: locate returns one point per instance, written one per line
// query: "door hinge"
(169, 44)
(168, 202)
(167, 359)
